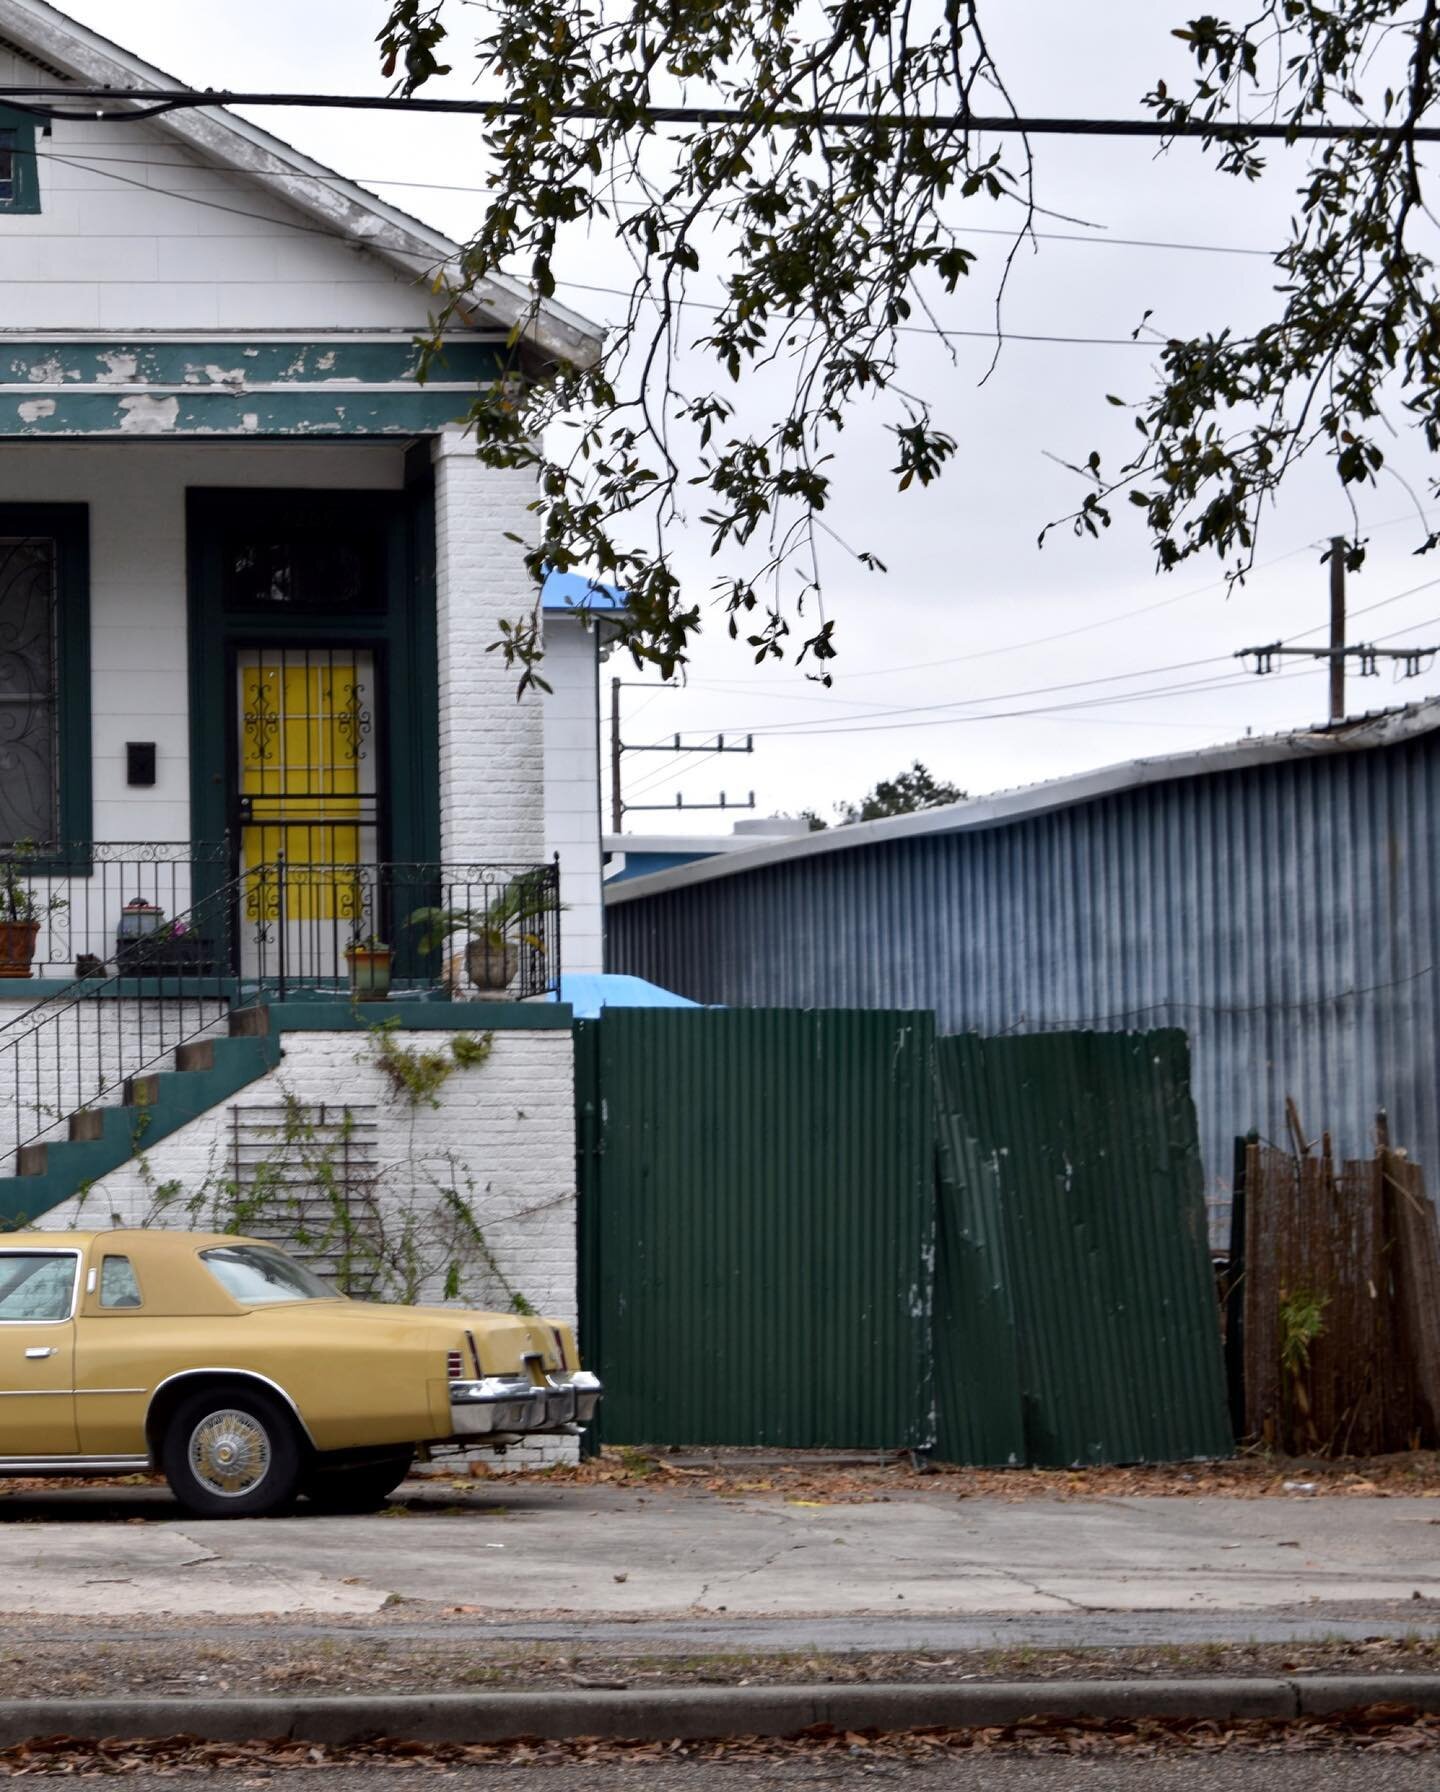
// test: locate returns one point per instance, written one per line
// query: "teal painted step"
(179, 1096)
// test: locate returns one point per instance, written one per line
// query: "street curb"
(692, 1713)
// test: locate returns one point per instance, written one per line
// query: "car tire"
(232, 1453)
(363, 1487)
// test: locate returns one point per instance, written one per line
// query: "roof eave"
(554, 333)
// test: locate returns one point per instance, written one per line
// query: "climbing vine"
(394, 1232)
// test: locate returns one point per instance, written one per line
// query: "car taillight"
(560, 1346)
(455, 1363)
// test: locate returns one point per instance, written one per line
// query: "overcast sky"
(972, 623)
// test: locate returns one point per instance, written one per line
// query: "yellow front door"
(307, 804)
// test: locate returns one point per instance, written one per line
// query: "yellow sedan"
(249, 1381)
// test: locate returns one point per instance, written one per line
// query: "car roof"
(176, 1283)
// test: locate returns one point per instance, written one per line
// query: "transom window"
(36, 1286)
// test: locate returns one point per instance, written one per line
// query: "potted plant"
(369, 961)
(173, 949)
(21, 910)
(497, 932)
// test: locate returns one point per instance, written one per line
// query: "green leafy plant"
(811, 216)
(508, 919)
(18, 901)
(416, 1076)
(1302, 1321)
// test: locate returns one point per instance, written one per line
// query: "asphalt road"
(1230, 1772)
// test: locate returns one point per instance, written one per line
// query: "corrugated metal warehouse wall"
(1284, 915)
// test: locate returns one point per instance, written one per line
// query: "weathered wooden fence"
(1339, 1299)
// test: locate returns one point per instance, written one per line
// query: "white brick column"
(492, 803)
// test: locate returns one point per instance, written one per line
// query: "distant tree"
(904, 794)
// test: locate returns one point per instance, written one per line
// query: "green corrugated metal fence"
(1076, 1315)
(829, 1229)
(759, 1214)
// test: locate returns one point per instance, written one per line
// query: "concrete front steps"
(156, 1104)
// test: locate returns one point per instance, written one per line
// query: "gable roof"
(44, 34)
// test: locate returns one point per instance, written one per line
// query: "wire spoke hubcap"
(230, 1453)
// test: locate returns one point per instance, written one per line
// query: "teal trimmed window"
(45, 792)
(19, 168)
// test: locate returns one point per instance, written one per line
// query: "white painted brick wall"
(572, 787)
(491, 747)
(510, 1122)
(57, 1056)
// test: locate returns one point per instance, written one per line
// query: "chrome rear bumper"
(513, 1404)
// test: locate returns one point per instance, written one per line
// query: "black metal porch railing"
(278, 932)
(74, 1053)
(477, 931)
(79, 894)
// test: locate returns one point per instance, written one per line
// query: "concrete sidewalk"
(607, 1553)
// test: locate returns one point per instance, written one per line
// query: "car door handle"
(40, 1350)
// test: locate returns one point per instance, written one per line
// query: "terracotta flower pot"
(492, 964)
(17, 947)
(369, 972)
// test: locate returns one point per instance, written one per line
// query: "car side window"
(36, 1286)
(118, 1287)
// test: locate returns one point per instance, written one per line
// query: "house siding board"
(195, 246)
(1286, 916)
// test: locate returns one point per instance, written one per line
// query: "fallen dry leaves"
(1394, 1729)
(805, 1478)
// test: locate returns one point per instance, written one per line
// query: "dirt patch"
(360, 1662)
(835, 1480)
(848, 1480)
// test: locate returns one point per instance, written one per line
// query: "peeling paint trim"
(369, 222)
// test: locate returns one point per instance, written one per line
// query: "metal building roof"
(1379, 728)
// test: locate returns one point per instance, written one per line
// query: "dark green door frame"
(399, 631)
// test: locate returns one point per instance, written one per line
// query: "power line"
(1192, 687)
(216, 205)
(621, 292)
(443, 186)
(815, 724)
(151, 102)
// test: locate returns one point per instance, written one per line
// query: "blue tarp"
(573, 591)
(589, 992)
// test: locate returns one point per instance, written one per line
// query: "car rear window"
(256, 1275)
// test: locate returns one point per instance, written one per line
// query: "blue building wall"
(1286, 915)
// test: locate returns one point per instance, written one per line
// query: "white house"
(249, 571)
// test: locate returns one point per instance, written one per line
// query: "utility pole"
(619, 747)
(1337, 628)
(1410, 662)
